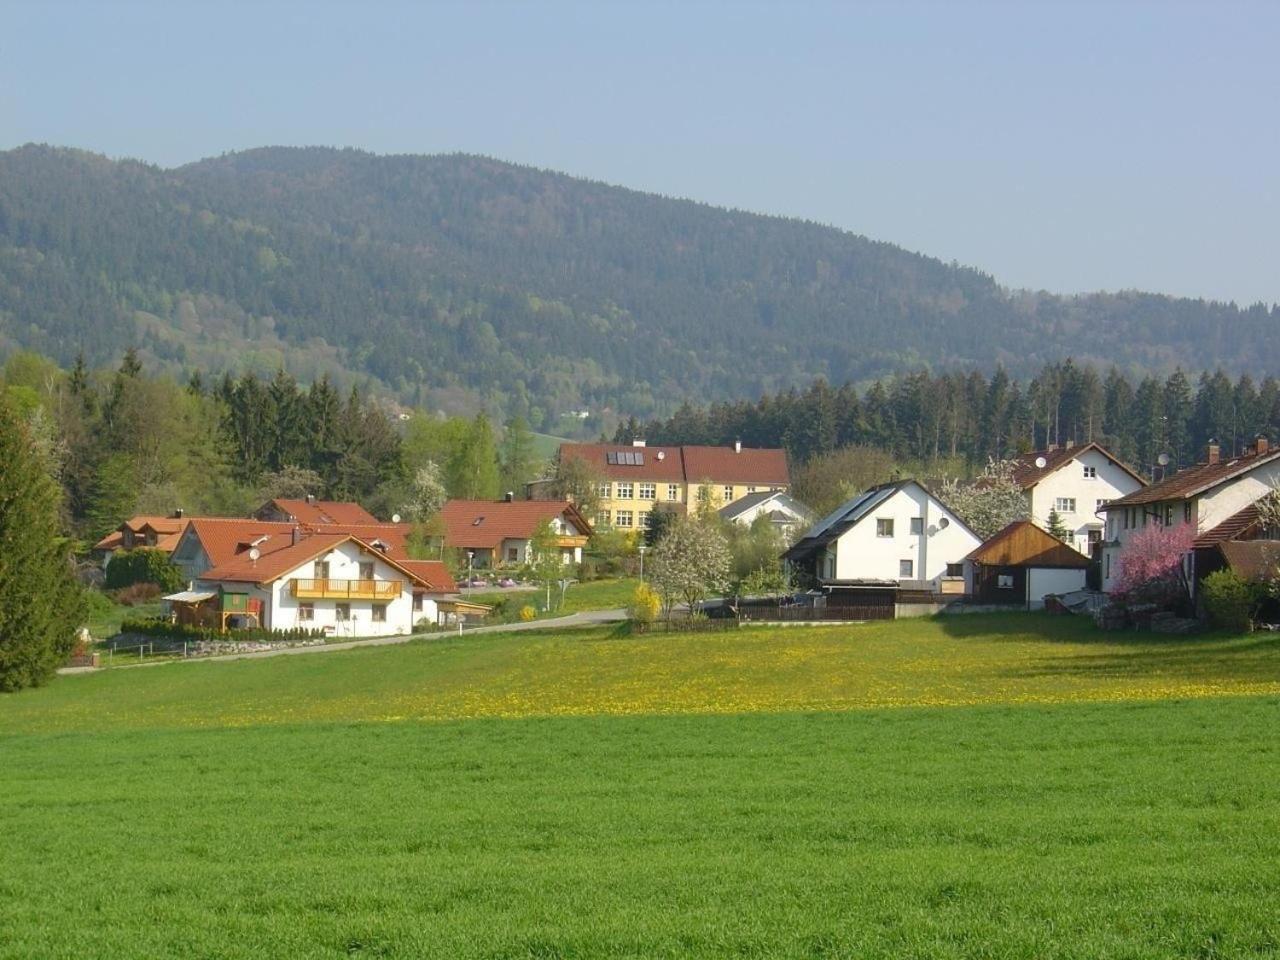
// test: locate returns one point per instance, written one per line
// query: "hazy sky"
(1065, 146)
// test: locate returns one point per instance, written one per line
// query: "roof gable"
(1027, 472)
(485, 524)
(1023, 544)
(1193, 481)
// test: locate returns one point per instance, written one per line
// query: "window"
(604, 518)
(320, 570)
(751, 490)
(378, 613)
(728, 493)
(625, 490)
(605, 490)
(646, 519)
(673, 491)
(1065, 504)
(1090, 473)
(1168, 514)
(306, 611)
(1004, 581)
(648, 491)
(884, 527)
(343, 611)
(1094, 536)
(417, 603)
(366, 571)
(906, 568)
(624, 518)
(513, 554)
(1186, 512)
(1099, 504)
(917, 526)
(955, 569)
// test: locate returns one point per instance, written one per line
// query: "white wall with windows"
(1077, 490)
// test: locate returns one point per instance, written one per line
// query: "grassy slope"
(1136, 828)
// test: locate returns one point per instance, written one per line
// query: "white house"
(1208, 496)
(785, 512)
(499, 533)
(897, 534)
(328, 581)
(1076, 482)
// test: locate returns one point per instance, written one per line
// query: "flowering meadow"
(1006, 786)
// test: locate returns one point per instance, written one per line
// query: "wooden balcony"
(569, 543)
(346, 589)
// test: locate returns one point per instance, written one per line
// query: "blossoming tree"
(1151, 561)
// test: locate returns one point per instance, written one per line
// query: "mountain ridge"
(458, 280)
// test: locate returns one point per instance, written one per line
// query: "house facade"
(1211, 497)
(331, 582)
(1021, 565)
(786, 514)
(897, 534)
(1076, 482)
(636, 479)
(499, 533)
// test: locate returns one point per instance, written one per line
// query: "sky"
(1067, 147)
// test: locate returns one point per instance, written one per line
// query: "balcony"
(564, 541)
(346, 589)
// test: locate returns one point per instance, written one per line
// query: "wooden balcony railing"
(346, 589)
(568, 542)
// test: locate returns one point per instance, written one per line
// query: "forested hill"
(458, 279)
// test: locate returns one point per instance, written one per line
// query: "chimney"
(1211, 455)
(1070, 443)
(1261, 445)
(510, 496)
(737, 446)
(177, 514)
(1050, 447)
(637, 442)
(297, 535)
(311, 498)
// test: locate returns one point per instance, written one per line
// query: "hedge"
(144, 565)
(160, 627)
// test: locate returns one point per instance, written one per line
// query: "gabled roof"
(1026, 472)
(484, 524)
(687, 464)
(168, 530)
(777, 497)
(322, 511)
(1023, 544)
(224, 538)
(288, 557)
(1252, 559)
(1193, 481)
(434, 573)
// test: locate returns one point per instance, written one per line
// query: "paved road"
(585, 619)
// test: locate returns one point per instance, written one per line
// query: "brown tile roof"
(224, 538)
(688, 464)
(1194, 481)
(484, 524)
(1230, 528)
(725, 465)
(323, 511)
(1023, 544)
(168, 531)
(656, 463)
(1252, 559)
(434, 573)
(1026, 474)
(112, 541)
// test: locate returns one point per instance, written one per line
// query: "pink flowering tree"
(1151, 562)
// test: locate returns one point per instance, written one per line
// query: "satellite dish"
(395, 518)
(662, 454)
(1041, 463)
(1163, 459)
(254, 553)
(943, 523)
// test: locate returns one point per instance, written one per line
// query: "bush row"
(160, 627)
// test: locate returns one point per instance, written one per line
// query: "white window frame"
(673, 491)
(626, 490)
(1064, 505)
(605, 491)
(648, 491)
(727, 492)
(624, 519)
(1090, 472)
(884, 528)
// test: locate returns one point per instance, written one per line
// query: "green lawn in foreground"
(578, 597)
(241, 810)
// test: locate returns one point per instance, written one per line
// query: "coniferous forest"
(461, 283)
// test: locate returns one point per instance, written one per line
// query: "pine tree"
(1057, 528)
(518, 460)
(40, 603)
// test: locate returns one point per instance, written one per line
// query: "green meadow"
(1014, 786)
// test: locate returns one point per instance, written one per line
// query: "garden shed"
(1021, 565)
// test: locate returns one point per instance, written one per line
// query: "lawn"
(578, 597)
(998, 787)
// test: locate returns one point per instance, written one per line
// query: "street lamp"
(642, 548)
(471, 556)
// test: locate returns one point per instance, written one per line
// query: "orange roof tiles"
(724, 465)
(167, 530)
(288, 556)
(484, 524)
(1026, 474)
(323, 511)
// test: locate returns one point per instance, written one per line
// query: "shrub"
(645, 604)
(166, 629)
(528, 613)
(589, 569)
(144, 565)
(1230, 600)
(138, 593)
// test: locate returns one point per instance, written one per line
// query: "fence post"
(141, 648)
(184, 649)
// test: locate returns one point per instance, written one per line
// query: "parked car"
(506, 582)
(477, 582)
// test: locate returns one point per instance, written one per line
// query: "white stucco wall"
(1042, 581)
(862, 555)
(1069, 482)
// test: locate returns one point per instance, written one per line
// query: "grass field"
(991, 787)
(591, 595)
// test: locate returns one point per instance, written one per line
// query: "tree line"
(966, 419)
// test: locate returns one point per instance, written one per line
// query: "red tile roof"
(687, 464)
(432, 572)
(1252, 559)
(1194, 481)
(323, 511)
(1230, 528)
(226, 537)
(288, 556)
(168, 531)
(484, 524)
(1027, 474)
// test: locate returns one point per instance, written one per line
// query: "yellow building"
(635, 479)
